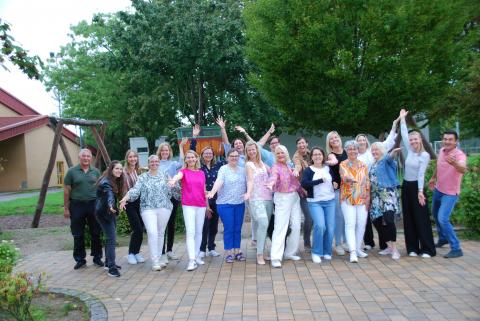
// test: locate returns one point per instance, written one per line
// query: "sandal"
(240, 257)
(229, 258)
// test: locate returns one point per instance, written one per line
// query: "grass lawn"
(26, 206)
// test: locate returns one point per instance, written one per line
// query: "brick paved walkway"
(375, 289)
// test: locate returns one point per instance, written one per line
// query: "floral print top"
(154, 191)
(260, 191)
(354, 193)
(284, 181)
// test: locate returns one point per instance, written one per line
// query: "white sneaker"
(292, 257)
(386, 251)
(367, 247)
(164, 259)
(213, 253)
(200, 261)
(316, 258)
(353, 257)
(131, 259)
(139, 258)
(201, 254)
(426, 256)
(412, 254)
(339, 249)
(345, 247)
(276, 264)
(327, 257)
(172, 256)
(361, 254)
(156, 266)
(396, 255)
(192, 265)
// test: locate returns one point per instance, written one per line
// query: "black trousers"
(368, 238)
(416, 221)
(109, 229)
(82, 213)
(385, 226)
(170, 231)
(136, 224)
(210, 228)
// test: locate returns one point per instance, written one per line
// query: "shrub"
(470, 195)
(16, 290)
(123, 225)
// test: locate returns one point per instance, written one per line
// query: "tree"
(164, 64)
(351, 65)
(18, 56)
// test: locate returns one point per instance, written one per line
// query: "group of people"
(340, 191)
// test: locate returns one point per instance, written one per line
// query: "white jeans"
(287, 210)
(194, 217)
(155, 221)
(355, 222)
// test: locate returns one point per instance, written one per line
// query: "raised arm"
(404, 129)
(193, 141)
(390, 140)
(181, 152)
(267, 135)
(244, 132)
(222, 124)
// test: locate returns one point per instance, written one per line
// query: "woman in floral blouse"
(354, 198)
(155, 206)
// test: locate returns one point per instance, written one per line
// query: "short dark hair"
(272, 138)
(450, 132)
(321, 150)
(300, 138)
(243, 142)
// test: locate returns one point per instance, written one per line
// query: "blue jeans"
(232, 218)
(323, 216)
(109, 229)
(442, 207)
(339, 221)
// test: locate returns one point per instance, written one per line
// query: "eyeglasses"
(234, 156)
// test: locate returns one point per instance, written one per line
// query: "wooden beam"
(65, 152)
(101, 145)
(79, 122)
(48, 174)
(103, 129)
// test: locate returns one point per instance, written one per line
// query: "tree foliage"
(351, 65)
(163, 64)
(12, 51)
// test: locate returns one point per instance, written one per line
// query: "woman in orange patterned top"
(354, 198)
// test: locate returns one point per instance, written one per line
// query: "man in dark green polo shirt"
(79, 200)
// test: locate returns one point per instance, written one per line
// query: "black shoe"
(80, 264)
(98, 262)
(117, 266)
(453, 254)
(113, 272)
(441, 243)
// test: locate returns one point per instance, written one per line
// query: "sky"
(41, 27)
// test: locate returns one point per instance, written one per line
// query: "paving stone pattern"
(377, 288)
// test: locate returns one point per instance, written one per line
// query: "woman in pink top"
(194, 205)
(259, 196)
(287, 208)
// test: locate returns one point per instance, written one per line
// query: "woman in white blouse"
(416, 217)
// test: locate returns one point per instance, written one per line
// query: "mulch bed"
(14, 222)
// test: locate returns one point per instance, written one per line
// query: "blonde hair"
(131, 151)
(327, 143)
(285, 151)
(197, 163)
(415, 132)
(170, 155)
(366, 138)
(257, 157)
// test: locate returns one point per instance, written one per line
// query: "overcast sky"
(41, 27)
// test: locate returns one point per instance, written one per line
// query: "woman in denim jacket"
(385, 200)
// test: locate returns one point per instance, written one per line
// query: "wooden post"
(101, 145)
(48, 173)
(65, 152)
(98, 162)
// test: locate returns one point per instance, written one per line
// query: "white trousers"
(287, 211)
(355, 222)
(194, 217)
(155, 221)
